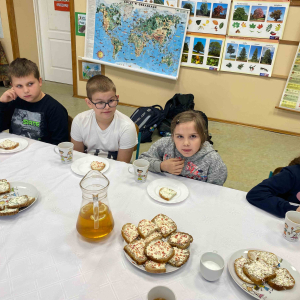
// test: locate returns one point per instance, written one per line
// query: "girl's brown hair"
(191, 116)
(295, 161)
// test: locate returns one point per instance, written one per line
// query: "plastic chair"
(271, 174)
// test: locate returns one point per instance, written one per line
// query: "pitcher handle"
(96, 211)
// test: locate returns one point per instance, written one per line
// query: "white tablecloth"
(43, 257)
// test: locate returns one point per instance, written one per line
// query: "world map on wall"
(139, 36)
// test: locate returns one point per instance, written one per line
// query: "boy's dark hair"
(22, 67)
(99, 83)
(295, 161)
(190, 116)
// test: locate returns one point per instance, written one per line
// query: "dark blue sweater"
(274, 194)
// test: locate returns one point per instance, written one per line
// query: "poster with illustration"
(87, 70)
(80, 23)
(207, 16)
(171, 3)
(250, 56)
(203, 51)
(259, 19)
(291, 95)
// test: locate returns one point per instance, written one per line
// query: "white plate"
(266, 292)
(83, 165)
(181, 189)
(22, 145)
(21, 188)
(169, 268)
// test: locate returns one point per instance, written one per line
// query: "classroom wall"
(6, 41)
(226, 96)
(25, 23)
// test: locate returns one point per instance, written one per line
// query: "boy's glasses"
(110, 103)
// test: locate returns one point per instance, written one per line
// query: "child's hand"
(172, 166)
(8, 96)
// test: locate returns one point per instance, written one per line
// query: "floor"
(249, 153)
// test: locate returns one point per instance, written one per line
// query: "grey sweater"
(205, 165)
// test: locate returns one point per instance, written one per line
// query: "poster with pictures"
(259, 19)
(87, 70)
(80, 23)
(207, 16)
(291, 94)
(249, 56)
(203, 51)
(171, 3)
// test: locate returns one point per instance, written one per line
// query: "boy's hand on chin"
(8, 96)
(172, 166)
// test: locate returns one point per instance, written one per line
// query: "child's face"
(187, 139)
(104, 113)
(27, 88)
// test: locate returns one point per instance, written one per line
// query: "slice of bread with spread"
(258, 271)
(9, 211)
(180, 240)
(129, 232)
(268, 257)
(159, 251)
(97, 165)
(4, 186)
(238, 267)
(17, 202)
(8, 145)
(136, 250)
(283, 280)
(166, 193)
(155, 267)
(166, 225)
(180, 257)
(146, 227)
(153, 237)
(30, 200)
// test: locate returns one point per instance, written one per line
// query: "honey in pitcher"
(85, 222)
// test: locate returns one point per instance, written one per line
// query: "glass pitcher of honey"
(95, 219)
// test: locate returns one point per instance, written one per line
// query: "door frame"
(39, 38)
(13, 28)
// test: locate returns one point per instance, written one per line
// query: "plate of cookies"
(15, 197)
(156, 246)
(12, 145)
(90, 162)
(264, 275)
(167, 190)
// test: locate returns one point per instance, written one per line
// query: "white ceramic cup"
(140, 170)
(211, 266)
(161, 292)
(65, 150)
(291, 230)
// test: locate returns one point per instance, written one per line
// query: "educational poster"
(136, 36)
(203, 51)
(80, 23)
(249, 56)
(259, 19)
(291, 94)
(208, 16)
(87, 70)
(172, 3)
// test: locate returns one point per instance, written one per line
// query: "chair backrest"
(70, 120)
(137, 147)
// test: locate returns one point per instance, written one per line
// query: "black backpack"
(179, 103)
(147, 119)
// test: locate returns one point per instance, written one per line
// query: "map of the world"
(139, 36)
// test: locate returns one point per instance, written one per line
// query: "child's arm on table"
(78, 146)
(265, 194)
(125, 155)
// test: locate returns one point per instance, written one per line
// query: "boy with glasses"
(103, 130)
